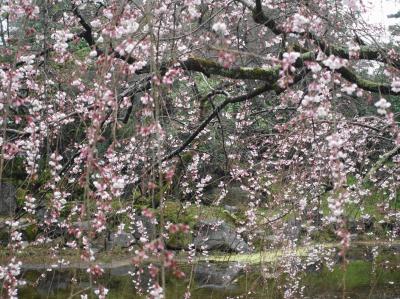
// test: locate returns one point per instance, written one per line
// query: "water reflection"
(365, 277)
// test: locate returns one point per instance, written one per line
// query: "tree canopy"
(114, 109)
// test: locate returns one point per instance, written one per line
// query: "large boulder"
(8, 201)
(218, 235)
(236, 195)
(144, 230)
(120, 240)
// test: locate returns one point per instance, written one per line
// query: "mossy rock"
(175, 213)
(31, 232)
(116, 204)
(187, 157)
(179, 241)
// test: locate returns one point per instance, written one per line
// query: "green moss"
(368, 205)
(351, 180)
(277, 187)
(270, 256)
(187, 157)
(31, 232)
(66, 211)
(20, 196)
(175, 213)
(44, 176)
(211, 67)
(179, 240)
(81, 50)
(202, 85)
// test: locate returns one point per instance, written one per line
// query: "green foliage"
(20, 196)
(204, 84)
(179, 240)
(351, 180)
(14, 171)
(81, 49)
(30, 232)
(175, 213)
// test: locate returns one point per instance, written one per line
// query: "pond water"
(364, 277)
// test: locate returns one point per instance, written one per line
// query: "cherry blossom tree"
(113, 109)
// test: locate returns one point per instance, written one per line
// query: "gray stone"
(122, 270)
(218, 235)
(120, 240)
(231, 209)
(82, 225)
(144, 228)
(395, 248)
(368, 223)
(292, 229)
(352, 226)
(143, 231)
(8, 202)
(216, 275)
(236, 195)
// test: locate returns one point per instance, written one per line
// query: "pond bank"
(377, 278)
(38, 259)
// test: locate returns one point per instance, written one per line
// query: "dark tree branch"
(222, 136)
(87, 34)
(365, 84)
(383, 159)
(366, 52)
(215, 112)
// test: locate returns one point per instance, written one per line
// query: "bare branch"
(383, 159)
(215, 112)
